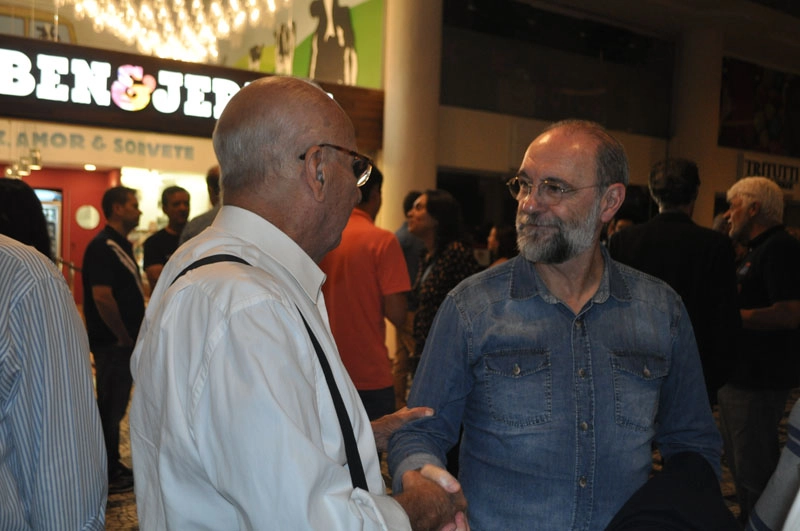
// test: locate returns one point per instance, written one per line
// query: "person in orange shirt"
(367, 281)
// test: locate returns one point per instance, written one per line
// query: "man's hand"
(433, 500)
(388, 424)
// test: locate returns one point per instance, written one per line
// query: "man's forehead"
(736, 199)
(178, 196)
(552, 148)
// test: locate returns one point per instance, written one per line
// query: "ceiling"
(751, 31)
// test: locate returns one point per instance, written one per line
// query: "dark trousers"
(378, 402)
(113, 377)
(749, 420)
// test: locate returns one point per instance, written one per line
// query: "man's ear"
(313, 172)
(611, 201)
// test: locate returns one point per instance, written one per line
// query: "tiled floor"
(121, 508)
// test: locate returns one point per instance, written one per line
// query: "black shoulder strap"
(350, 447)
(213, 259)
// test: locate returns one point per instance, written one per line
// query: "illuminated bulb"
(197, 24)
(24, 167)
(36, 159)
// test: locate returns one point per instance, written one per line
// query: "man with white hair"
(753, 401)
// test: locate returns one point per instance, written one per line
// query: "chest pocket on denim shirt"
(637, 386)
(518, 386)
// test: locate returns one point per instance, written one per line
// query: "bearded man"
(564, 367)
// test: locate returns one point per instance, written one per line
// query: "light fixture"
(35, 159)
(187, 30)
(89, 167)
(24, 167)
(12, 171)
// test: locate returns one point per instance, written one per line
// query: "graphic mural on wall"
(335, 41)
(759, 109)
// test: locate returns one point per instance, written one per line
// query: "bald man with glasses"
(244, 416)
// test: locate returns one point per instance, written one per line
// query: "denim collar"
(526, 283)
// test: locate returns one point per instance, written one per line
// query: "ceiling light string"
(187, 30)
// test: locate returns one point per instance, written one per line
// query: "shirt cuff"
(389, 514)
(412, 462)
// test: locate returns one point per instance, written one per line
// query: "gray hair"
(763, 191)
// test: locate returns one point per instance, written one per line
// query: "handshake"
(431, 497)
(433, 500)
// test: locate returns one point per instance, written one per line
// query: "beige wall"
(478, 142)
(485, 142)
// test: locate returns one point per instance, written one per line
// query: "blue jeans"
(749, 421)
(113, 376)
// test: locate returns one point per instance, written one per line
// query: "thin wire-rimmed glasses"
(549, 192)
(362, 165)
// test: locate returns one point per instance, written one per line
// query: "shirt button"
(584, 426)
(646, 372)
(582, 481)
(582, 373)
(516, 370)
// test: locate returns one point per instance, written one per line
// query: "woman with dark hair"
(435, 218)
(22, 217)
(502, 244)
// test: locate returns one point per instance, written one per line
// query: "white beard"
(570, 239)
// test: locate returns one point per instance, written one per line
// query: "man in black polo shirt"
(114, 307)
(753, 401)
(160, 246)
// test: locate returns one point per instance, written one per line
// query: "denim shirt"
(559, 410)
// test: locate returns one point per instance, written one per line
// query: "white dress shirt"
(232, 422)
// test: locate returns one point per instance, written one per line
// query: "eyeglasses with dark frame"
(549, 192)
(362, 165)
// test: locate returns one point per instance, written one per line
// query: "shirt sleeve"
(265, 443)
(150, 250)
(98, 269)
(392, 270)
(780, 271)
(442, 382)
(54, 422)
(684, 419)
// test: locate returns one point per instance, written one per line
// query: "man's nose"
(529, 202)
